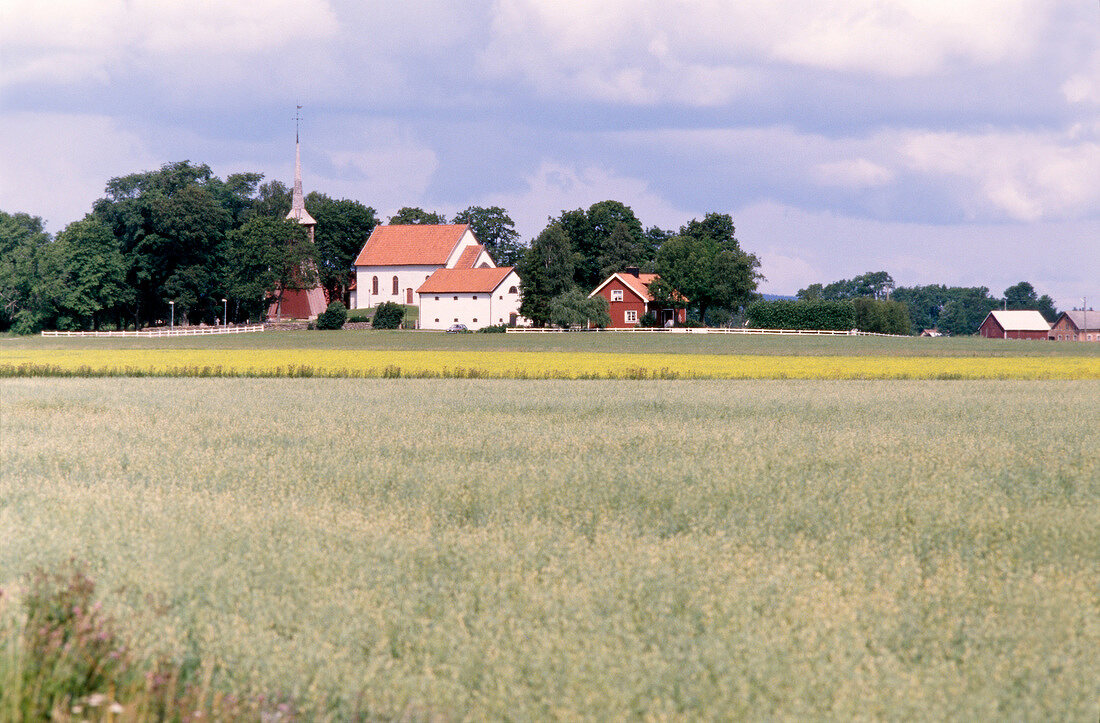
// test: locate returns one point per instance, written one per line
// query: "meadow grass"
(581, 550)
(599, 343)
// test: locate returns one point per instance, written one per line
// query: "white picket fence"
(162, 331)
(696, 330)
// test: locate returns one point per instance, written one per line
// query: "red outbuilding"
(1015, 325)
(629, 300)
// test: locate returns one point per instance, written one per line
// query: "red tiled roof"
(450, 281)
(411, 245)
(638, 284)
(468, 257)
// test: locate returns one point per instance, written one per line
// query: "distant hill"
(778, 297)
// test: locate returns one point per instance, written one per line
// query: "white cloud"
(856, 173)
(51, 42)
(1019, 175)
(1084, 87)
(56, 165)
(708, 52)
(556, 187)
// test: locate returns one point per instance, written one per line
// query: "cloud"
(556, 187)
(856, 173)
(706, 52)
(1016, 175)
(56, 165)
(99, 40)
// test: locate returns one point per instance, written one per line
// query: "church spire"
(297, 198)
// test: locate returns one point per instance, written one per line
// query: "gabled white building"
(397, 260)
(476, 297)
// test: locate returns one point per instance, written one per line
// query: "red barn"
(629, 300)
(1014, 325)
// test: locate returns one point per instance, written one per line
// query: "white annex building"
(400, 263)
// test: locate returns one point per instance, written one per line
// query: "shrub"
(786, 314)
(388, 315)
(333, 317)
(495, 329)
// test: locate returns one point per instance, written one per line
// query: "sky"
(943, 141)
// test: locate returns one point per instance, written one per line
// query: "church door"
(409, 296)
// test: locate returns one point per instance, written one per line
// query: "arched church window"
(374, 286)
(395, 287)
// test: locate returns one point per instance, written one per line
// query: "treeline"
(952, 310)
(180, 243)
(703, 261)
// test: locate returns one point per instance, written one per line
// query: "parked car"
(457, 329)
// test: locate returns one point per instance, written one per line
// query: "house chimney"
(632, 270)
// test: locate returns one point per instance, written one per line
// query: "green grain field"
(531, 550)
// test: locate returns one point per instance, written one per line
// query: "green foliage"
(333, 317)
(881, 317)
(545, 271)
(89, 275)
(705, 263)
(787, 314)
(873, 284)
(342, 228)
(413, 215)
(388, 315)
(1024, 296)
(263, 255)
(496, 231)
(68, 647)
(575, 309)
(24, 244)
(494, 329)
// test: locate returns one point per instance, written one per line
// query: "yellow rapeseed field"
(526, 365)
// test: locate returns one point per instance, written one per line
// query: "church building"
(298, 303)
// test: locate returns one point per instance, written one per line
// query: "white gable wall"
(408, 277)
(440, 311)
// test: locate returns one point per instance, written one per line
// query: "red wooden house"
(1014, 325)
(629, 300)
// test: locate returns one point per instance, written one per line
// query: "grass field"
(582, 549)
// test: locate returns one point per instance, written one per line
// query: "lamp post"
(225, 312)
(172, 323)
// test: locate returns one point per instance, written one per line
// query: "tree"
(873, 284)
(616, 252)
(590, 236)
(266, 256)
(170, 225)
(90, 276)
(342, 228)
(23, 244)
(705, 263)
(545, 271)
(413, 215)
(272, 200)
(966, 311)
(496, 231)
(333, 317)
(388, 315)
(1024, 296)
(573, 308)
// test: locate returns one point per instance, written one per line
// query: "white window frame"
(630, 316)
(616, 294)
